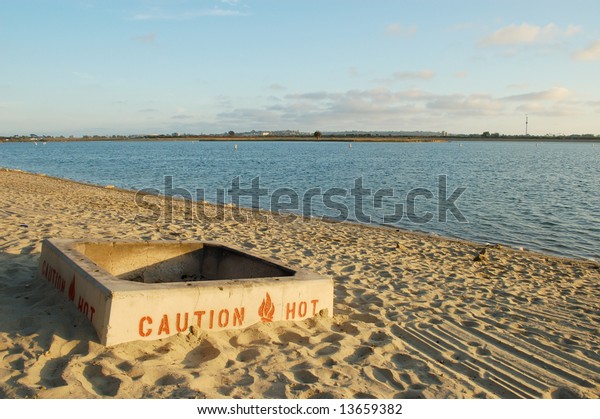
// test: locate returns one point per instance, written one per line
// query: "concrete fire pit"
(151, 290)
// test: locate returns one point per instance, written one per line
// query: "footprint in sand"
(349, 328)
(132, 371)
(170, 380)
(51, 373)
(363, 317)
(305, 377)
(102, 381)
(293, 337)
(334, 337)
(379, 338)
(250, 337)
(329, 350)
(204, 353)
(410, 394)
(405, 361)
(248, 355)
(564, 393)
(483, 351)
(362, 395)
(470, 323)
(386, 376)
(360, 355)
(245, 381)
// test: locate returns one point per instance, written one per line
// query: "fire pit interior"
(153, 263)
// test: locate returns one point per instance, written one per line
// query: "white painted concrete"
(151, 290)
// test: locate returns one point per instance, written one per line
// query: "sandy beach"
(415, 316)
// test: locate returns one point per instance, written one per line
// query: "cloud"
(148, 38)
(187, 15)
(406, 75)
(276, 87)
(526, 34)
(572, 30)
(399, 30)
(549, 110)
(517, 86)
(356, 109)
(387, 108)
(554, 102)
(245, 116)
(85, 78)
(422, 75)
(321, 95)
(353, 72)
(474, 104)
(554, 94)
(592, 52)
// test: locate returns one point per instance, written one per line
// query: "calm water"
(543, 196)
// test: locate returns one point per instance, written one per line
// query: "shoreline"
(324, 139)
(415, 315)
(211, 138)
(430, 235)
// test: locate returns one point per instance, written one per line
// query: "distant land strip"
(308, 138)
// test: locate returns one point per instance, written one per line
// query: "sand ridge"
(415, 315)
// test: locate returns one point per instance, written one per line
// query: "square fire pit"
(149, 290)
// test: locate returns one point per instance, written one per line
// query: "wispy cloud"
(353, 72)
(181, 116)
(526, 34)
(276, 87)
(554, 102)
(400, 30)
(517, 86)
(592, 52)
(187, 15)
(552, 110)
(85, 78)
(473, 104)
(384, 108)
(554, 94)
(421, 75)
(148, 38)
(406, 75)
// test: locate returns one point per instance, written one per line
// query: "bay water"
(540, 196)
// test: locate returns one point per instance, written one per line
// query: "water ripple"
(544, 198)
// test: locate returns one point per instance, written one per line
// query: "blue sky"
(77, 67)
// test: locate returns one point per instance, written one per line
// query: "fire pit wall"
(152, 290)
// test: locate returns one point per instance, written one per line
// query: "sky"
(104, 67)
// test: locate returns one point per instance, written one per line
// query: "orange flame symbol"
(266, 309)
(72, 290)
